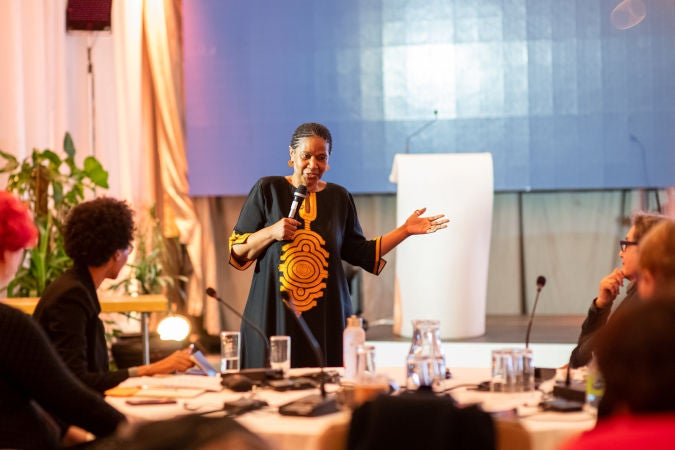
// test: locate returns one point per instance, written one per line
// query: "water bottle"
(595, 386)
(352, 337)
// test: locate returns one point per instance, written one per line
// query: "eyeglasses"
(625, 244)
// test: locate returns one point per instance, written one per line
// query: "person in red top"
(635, 355)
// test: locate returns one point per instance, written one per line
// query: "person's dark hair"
(191, 432)
(96, 229)
(635, 355)
(643, 222)
(312, 129)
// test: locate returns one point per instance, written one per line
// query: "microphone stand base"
(257, 375)
(575, 392)
(313, 405)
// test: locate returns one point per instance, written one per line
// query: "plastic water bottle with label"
(595, 386)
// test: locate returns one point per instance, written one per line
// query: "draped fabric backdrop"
(570, 237)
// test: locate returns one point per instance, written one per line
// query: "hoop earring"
(290, 163)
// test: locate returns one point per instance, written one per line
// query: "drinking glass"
(503, 375)
(230, 351)
(368, 384)
(280, 353)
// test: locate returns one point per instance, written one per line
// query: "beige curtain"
(165, 135)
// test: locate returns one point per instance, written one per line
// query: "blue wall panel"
(561, 98)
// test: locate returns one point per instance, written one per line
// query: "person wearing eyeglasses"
(610, 286)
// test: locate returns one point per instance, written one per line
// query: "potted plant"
(51, 185)
(148, 271)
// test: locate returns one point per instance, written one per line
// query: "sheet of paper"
(202, 383)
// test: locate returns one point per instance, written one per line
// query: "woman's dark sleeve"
(595, 319)
(356, 249)
(31, 363)
(65, 322)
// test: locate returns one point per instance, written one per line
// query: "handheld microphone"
(541, 282)
(419, 130)
(298, 196)
(212, 293)
(310, 405)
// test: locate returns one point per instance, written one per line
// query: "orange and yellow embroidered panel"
(304, 263)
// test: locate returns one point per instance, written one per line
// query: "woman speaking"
(298, 259)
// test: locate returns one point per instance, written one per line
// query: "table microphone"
(254, 374)
(310, 405)
(298, 196)
(541, 282)
(571, 391)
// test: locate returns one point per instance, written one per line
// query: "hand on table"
(178, 361)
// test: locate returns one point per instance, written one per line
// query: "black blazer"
(34, 379)
(68, 312)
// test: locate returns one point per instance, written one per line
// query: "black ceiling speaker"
(88, 15)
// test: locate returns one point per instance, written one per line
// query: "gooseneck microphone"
(419, 130)
(310, 405)
(212, 293)
(298, 196)
(541, 282)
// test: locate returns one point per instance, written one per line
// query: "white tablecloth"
(548, 430)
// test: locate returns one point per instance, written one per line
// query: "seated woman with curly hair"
(97, 236)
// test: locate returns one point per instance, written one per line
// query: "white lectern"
(443, 276)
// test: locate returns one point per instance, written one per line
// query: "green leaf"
(52, 157)
(69, 145)
(51, 195)
(95, 171)
(11, 164)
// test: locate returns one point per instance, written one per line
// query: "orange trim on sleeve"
(379, 262)
(234, 261)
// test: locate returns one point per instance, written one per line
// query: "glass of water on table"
(230, 351)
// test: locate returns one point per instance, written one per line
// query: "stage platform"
(552, 340)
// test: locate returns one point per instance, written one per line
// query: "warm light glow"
(173, 328)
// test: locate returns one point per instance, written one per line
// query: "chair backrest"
(511, 435)
(419, 420)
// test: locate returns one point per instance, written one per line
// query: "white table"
(286, 432)
(548, 430)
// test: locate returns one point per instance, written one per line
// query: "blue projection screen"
(561, 98)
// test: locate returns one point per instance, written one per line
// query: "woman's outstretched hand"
(416, 224)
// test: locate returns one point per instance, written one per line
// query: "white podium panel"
(443, 275)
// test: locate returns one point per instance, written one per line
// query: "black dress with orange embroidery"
(306, 272)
